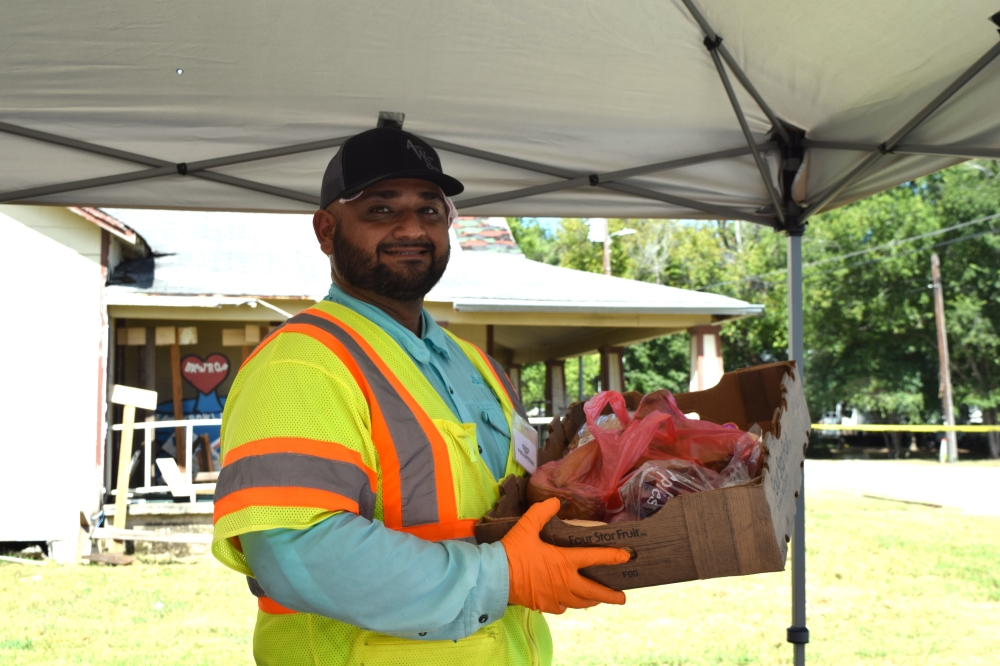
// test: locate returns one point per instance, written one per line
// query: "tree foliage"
(869, 316)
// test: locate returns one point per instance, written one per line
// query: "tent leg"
(798, 634)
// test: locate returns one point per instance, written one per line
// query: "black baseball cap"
(380, 154)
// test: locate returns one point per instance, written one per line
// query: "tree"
(971, 280)
(534, 240)
(869, 320)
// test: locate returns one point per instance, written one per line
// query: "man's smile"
(406, 251)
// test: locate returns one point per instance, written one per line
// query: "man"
(361, 442)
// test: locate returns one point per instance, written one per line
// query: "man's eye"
(430, 210)
(379, 209)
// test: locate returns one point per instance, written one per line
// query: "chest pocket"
(493, 416)
(476, 491)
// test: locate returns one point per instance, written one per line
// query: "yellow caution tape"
(886, 427)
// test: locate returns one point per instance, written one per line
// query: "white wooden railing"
(190, 487)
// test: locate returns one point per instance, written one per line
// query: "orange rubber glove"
(547, 578)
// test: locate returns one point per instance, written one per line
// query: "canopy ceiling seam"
(914, 122)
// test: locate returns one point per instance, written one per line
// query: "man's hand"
(547, 578)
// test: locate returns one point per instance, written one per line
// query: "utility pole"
(943, 360)
(599, 234)
(607, 253)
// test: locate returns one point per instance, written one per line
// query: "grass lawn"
(889, 583)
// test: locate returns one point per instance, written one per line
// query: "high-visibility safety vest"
(330, 414)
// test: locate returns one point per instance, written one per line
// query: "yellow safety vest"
(329, 414)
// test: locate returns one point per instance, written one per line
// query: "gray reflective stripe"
(413, 450)
(301, 471)
(255, 588)
(505, 380)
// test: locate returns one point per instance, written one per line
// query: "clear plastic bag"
(584, 436)
(656, 481)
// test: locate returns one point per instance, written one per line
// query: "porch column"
(612, 369)
(706, 357)
(514, 374)
(555, 387)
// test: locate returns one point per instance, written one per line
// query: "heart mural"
(205, 374)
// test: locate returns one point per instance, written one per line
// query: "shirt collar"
(434, 337)
(419, 348)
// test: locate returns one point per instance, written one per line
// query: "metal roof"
(260, 255)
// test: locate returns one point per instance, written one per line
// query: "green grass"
(199, 613)
(889, 583)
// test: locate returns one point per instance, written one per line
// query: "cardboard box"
(728, 532)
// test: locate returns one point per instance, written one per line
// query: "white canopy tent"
(561, 108)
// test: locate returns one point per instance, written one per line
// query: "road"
(973, 488)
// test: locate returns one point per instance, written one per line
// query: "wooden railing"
(186, 485)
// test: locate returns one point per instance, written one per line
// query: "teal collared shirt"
(360, 572)
(450, 372)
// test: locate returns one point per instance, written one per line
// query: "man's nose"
(409, 225)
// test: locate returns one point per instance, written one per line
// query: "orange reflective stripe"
(283, 496)
(489, 366)
(502, 379)
(261, 345)
(445, 489)
(309, 447)
(459, 529)
(272, 607)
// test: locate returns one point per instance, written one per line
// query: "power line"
(909, 252)
(890, 244)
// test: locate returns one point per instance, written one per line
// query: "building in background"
(173, 301)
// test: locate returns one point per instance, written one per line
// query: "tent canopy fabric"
(768, 111)
(573, 90)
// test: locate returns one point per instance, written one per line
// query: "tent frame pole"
(798, 633)
(713, 49)
(579, 180)
(712, 36)
(596, 180)
(792, 159)
(891, 144)
(161, 168)
(200, 169)
(909, 149)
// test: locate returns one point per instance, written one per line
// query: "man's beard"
(364, 271)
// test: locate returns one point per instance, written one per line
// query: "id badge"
(525, 443)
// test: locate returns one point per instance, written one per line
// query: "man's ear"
(324, 224)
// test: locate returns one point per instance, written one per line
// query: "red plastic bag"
(588, 478)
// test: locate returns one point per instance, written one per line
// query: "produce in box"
(625, 466)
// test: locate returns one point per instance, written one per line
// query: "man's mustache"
(426, 245)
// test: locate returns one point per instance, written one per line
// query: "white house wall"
(51, 409)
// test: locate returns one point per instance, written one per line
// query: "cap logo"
(422, 154)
